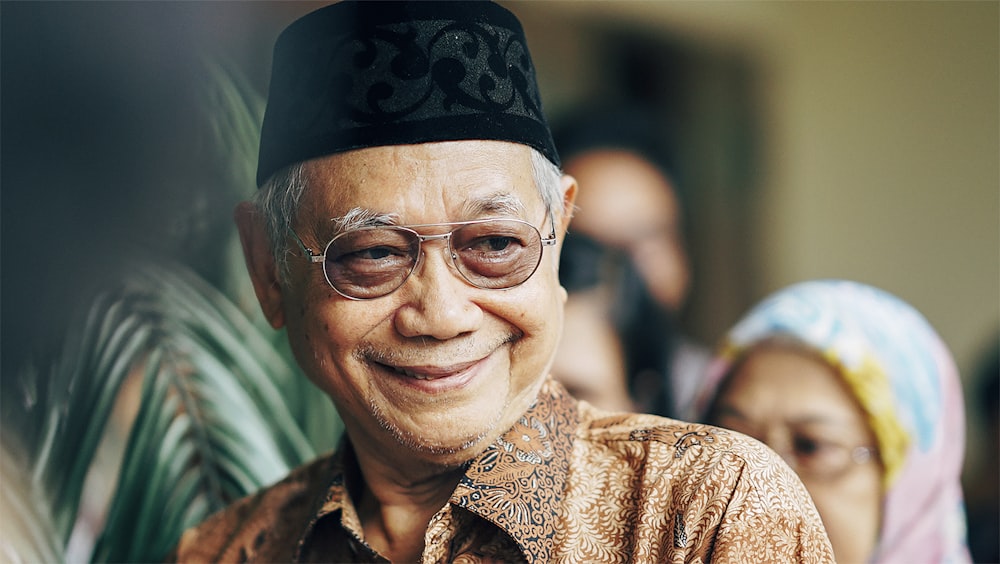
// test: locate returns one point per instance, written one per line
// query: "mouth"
(413, 369)
(427, 373)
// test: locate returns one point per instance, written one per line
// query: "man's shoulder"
(689, 454)
(705, 491)
(658, 433)
(280, 506)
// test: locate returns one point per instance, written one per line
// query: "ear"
(568, 185)
(260, 262)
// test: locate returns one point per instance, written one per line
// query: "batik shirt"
(567, 483)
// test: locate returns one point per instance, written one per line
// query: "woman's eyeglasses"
(813, 454)
(371, 262)
(825, 460)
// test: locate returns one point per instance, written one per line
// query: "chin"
(459, 437)
(461, 447)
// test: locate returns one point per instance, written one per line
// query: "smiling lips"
(434, 372)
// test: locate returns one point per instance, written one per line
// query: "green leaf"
(223, 409)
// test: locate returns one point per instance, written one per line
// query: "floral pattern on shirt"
(567, 483)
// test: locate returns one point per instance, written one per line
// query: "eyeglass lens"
(374, 261)
(825, 459)
(812, 453)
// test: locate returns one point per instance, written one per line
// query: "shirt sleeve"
(769, 516)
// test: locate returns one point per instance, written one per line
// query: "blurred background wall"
(809, 139)
(860, 139)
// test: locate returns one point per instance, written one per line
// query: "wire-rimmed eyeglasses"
(374, 261)
(825, 460)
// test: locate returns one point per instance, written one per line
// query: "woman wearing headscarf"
(860, 396)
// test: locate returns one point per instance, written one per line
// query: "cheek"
(323, 335)
(542, 306)
(851, 512)
(312, 340)
(539, 316)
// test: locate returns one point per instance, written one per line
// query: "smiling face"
(438, 367)
(799, 406)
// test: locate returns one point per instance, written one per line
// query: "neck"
(397, 503)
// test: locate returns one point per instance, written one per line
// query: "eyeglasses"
(813, 454)
(825, 460)
(371, 262)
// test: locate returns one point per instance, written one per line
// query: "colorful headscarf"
(905, 380)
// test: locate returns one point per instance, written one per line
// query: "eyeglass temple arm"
(551, 240)
(306, 251)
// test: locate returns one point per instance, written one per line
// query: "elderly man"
(407, 234)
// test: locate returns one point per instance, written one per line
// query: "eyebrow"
(498, 203)
(362, 217)
(730, 411)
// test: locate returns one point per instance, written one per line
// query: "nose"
(436, 298)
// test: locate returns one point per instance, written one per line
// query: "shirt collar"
(516, 483)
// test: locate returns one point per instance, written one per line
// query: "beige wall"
(881, 138)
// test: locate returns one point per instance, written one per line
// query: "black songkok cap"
(365, 74)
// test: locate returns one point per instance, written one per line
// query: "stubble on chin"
(413, 442)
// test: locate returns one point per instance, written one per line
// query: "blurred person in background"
(859, 394)
(630, 218)
(590, 361)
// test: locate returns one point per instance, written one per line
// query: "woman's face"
(799, 406)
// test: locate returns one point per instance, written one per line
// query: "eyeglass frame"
(314, 258)
(859, 455)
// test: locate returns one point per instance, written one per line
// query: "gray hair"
(277, 202)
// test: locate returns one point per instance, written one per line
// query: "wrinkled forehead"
(423, 183)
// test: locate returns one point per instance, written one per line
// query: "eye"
(816, 456)
(382, 255)
(370, 259)
(493, 243)
(806, 446)
(374, 253)
(488, 245)
(376, 242)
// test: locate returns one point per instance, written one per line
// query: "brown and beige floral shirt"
(568, 483)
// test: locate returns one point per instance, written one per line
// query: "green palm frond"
(26, 519)
(223, 409)
(213, 424)
(52, 423)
